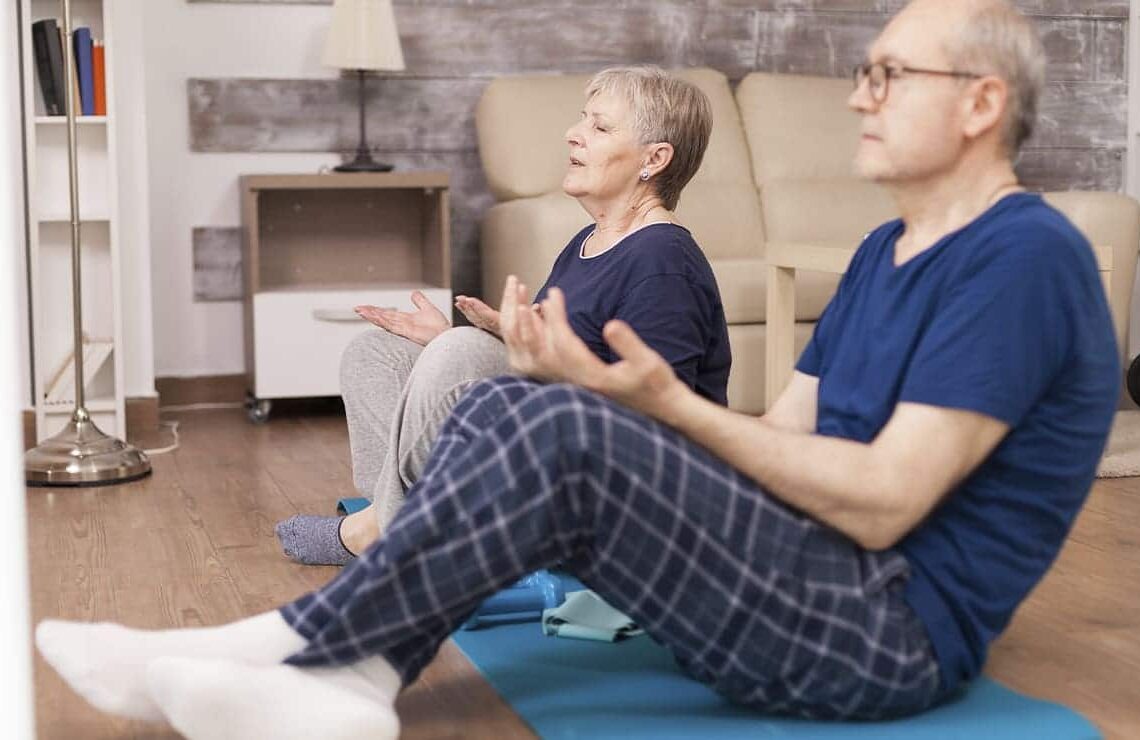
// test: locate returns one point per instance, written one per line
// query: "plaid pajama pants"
(768, 607)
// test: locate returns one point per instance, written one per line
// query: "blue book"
(84, 69)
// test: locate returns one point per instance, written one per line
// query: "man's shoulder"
(1034, 233)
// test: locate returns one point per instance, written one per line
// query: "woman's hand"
(543, 345)
(479, 314)
(421, 326)
(528, 343)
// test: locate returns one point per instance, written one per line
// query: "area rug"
(1122, 455)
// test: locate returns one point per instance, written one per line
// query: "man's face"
(916, 132)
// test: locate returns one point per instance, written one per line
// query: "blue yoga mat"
(630, 690)
(351, 505)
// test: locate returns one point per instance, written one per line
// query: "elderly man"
(850, 554)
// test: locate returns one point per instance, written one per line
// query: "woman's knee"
(376, 356)
(462, 354)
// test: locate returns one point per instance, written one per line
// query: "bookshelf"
(49, 238)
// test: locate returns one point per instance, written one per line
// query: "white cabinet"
(314, 246)
(49, 238)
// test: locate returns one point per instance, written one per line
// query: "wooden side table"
(314, 246)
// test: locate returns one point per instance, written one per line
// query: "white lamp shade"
(363, 35)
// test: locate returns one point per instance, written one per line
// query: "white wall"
(195, 189)
(16, 708)
(134, 201)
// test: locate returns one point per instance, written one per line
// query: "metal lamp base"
(363, 164)
(82, 455)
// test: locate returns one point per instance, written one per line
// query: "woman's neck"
(612, 225)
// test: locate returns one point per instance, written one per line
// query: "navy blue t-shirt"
(1006, 317)
(658, 281)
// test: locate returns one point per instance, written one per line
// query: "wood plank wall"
(422, 117)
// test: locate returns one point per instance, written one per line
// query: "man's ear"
(660, 155)
(986, 107)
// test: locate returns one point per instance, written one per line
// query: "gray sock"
(313, 540)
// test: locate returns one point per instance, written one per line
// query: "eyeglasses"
(879, 75)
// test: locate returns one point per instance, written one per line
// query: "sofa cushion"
(798, 127)
(746, 378)
(521, 125)
(523, 237)
(724, 218)
(837, 211)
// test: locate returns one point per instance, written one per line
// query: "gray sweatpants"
(397, 395)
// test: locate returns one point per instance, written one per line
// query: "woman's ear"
(659, 157)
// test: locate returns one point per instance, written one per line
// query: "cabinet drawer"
(300, 335)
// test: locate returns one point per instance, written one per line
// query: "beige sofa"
(778, 169)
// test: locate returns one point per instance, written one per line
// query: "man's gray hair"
(999, 40)
(665, 109)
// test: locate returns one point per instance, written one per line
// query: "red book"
(98, 55)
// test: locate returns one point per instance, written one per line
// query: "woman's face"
(605, 156)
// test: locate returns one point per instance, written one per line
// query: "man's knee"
(572, 416)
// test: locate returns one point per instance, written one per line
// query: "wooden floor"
(194, 545)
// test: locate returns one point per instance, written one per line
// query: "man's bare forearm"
(839, 482)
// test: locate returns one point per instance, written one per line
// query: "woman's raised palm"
(420, 326)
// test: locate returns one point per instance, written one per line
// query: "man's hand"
(421, 326)
(479, 314)
(543, 345)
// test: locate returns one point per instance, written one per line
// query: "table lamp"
(363, 38)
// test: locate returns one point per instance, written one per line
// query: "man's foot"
(106, 663)
(221, 699)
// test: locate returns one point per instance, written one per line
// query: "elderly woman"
(640, 139)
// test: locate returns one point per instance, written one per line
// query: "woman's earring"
(645, 175)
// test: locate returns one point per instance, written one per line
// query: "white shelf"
(62, 218)
(94, 405)
(47, 165)
(62, 120)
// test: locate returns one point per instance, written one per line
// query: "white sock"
(106, 663)
(216, 699)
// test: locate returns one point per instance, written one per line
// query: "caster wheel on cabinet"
(258, 409)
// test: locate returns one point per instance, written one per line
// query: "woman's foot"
(328, 540)
(360, 529)
(106, 663)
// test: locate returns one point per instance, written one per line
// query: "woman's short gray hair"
(999, 40)
(665, 109)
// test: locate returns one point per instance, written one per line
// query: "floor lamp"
(81, 454)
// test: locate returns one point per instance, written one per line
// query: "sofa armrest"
(783, 260)
(523, 237)
(1108, 220)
